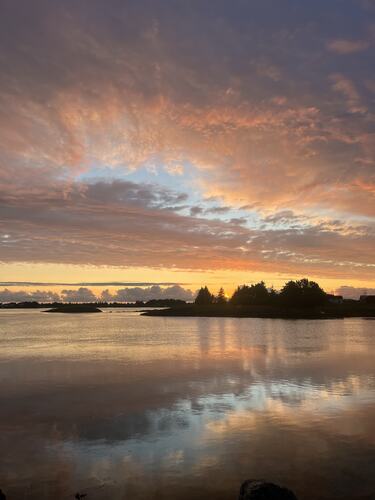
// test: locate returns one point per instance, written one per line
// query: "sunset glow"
(186, 143)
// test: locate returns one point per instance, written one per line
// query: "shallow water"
(127, 407)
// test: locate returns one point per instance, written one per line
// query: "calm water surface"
(127, 407)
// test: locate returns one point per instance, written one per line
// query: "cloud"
(90, 225)
(196, 211)
(249, 102)
(7, 295)
(84, 294)
(341, 46)
(345, 87)
(174, 169)
(218, 210)
(352, 292)
(134, 294)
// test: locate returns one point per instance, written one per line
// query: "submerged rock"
(261, 490)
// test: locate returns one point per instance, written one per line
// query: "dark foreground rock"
(260, 490)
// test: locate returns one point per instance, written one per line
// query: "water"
(127, 407)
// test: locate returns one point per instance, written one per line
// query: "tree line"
(298, 293)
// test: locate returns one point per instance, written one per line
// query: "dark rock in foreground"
(260, 490)
(75, 308)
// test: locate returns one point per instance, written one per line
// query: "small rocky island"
(75, 308)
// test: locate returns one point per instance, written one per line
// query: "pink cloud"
(341, 46)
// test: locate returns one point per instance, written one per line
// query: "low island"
(75, 308)
(301, 299)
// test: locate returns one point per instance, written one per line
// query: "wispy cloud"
(341, 46)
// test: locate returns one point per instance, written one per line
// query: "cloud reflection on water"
(153, 404)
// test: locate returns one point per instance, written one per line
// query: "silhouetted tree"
(220, 298)
(251, 295)
(259, 293)
(273, 296)
(302, 293)
(165, 303)
(204, 297)
(241, 296)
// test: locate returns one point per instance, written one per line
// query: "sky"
(175, 144)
